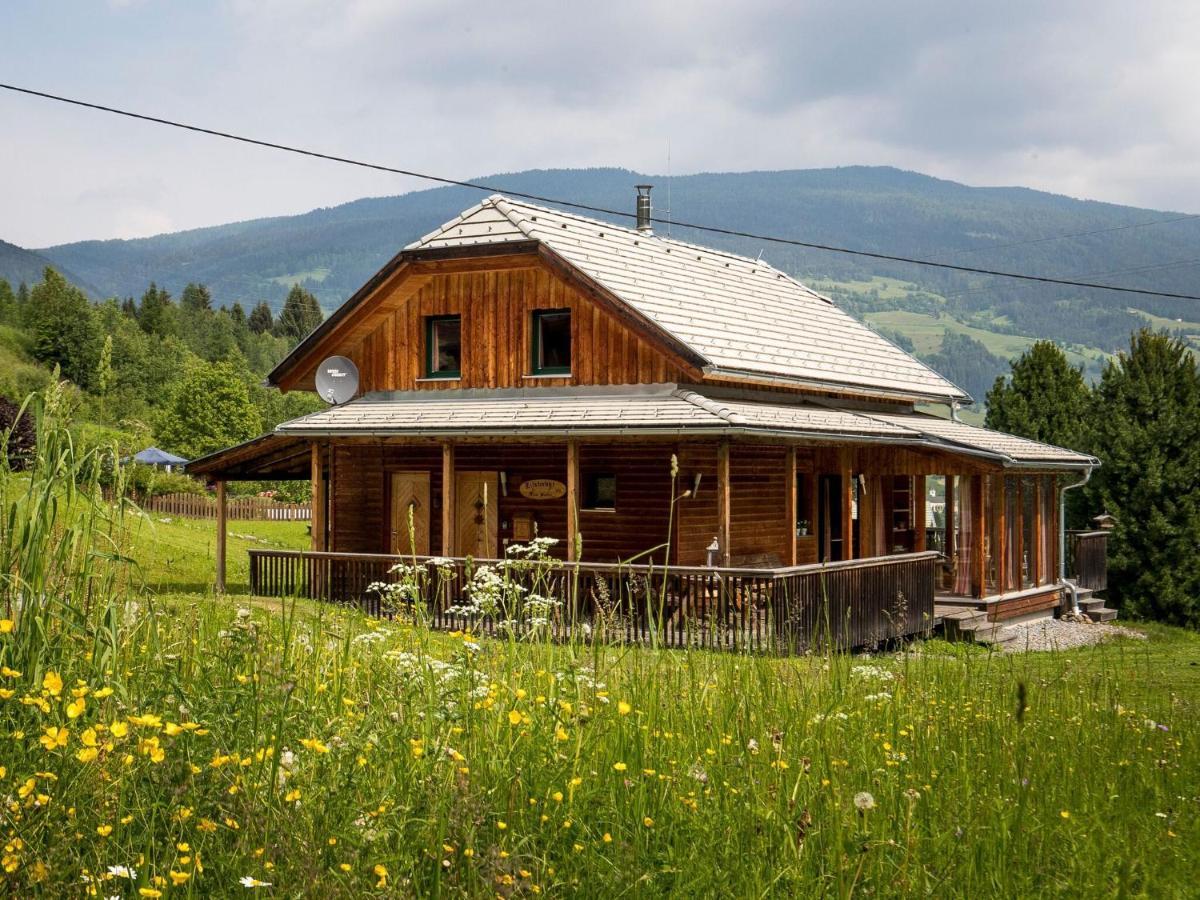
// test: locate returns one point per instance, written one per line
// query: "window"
(552, 342)
(443, 347)
(600, 491)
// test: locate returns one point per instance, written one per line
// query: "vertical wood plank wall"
(497, 312)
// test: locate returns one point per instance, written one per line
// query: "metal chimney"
(643, 208)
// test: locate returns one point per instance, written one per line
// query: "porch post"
(790, 507)
(447, 499)
(318, 499)
(723, 529)
(572, 500)
(847, 506)
(1035, 558)
(1001, 549)
(1019, 535)
(918, 495)
(979, 578)
(221, 512)
(951, 536)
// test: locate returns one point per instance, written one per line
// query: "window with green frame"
(443, 346)
(551, 342)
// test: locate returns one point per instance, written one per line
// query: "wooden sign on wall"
(542, 489)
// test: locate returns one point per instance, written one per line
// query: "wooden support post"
(790, 507)
(447, 499)
(951, 535)
(918, 501)
(723, 529)
(572, 500)
(847, 506)
(979, 563)
(1019, 536)
(221, 536)
(1039, 539)
(1000, 551)
(317, 518)
(331, 490)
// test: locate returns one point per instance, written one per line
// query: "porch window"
(552, 342)
(443, 347)
(600, 491)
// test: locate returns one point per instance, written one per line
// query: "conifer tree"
(261, 321)
(60, 324)
(301, 314)
(156, 314)
(1044, 398)
(1146, 431)
(195, 298)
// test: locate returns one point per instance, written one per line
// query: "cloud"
(1088, 98)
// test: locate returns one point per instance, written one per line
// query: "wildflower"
(123, 872)
(104, 830)
(292, 796)
(864, 801)
(514, 717)
(648, 822)
(148, 720)
(52, 684)
(86, 754)
(381, 873)
(619, 767)
(624, 708)
(607, 838)
(501, 825)
(149, 892)
(6, 625)
(54, 738)
(314, 744)
(178, 878)
(248, 881)
(118, 729)
(557, 796)
(75, 708)
(1066, 814)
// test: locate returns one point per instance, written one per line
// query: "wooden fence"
(847, 604)
(1087, 558)
(201, 506)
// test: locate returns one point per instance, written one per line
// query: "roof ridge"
(446, 226)
(505, 206)
(718, 409)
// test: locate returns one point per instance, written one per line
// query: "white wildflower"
(863, 801)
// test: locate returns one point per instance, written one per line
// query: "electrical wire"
(710, 229)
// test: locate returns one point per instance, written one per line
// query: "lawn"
(165, 742)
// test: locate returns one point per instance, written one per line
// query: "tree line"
(1142, 421)
(176, 372)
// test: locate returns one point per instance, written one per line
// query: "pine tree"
(60, 324)
(104, 373)
(156, 314)
(301, 314)
(1146, 431)
(1044, 399)
(237, 313)
(195, 298)
(261, 321)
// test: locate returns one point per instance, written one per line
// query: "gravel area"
(1061, 634)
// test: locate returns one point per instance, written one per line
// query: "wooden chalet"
(526, 371)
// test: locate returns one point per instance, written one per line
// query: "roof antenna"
(760, 253)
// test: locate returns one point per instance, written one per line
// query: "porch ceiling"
(269, 457)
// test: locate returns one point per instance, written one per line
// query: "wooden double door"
(476, 508)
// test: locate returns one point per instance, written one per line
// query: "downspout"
(1062, 538)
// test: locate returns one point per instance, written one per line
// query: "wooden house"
(526, 371)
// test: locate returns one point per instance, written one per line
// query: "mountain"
(332, 251)
(20, 265)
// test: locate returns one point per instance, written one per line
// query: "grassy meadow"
(156, 740)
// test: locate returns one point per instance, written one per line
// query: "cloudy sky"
(1095, 99)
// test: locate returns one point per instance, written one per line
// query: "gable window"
(552, 342)
(443, 347)
(600, 491)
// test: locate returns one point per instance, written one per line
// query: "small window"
(552, 342)
(600, 492)
(443, 347)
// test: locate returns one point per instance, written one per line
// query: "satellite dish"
(337, 380)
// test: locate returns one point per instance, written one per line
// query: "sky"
(1093, 99)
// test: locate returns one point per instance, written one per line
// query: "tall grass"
(205, 744)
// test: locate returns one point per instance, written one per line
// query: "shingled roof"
(742, 316)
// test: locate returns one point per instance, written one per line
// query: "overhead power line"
(710, 229)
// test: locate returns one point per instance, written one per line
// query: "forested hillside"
(331, 252)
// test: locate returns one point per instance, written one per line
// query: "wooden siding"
(758, 524)
(360, 494)
(639, 522)
(497, 312)
(697, 516)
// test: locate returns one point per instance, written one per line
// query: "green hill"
(332, 251)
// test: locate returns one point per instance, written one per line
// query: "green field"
(318, 275)
(162, 741)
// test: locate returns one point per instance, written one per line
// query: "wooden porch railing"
(846, 604)
(1087, 558)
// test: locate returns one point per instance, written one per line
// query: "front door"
(410, 491)
(476, 514)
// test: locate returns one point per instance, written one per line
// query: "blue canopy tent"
(152, 456)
